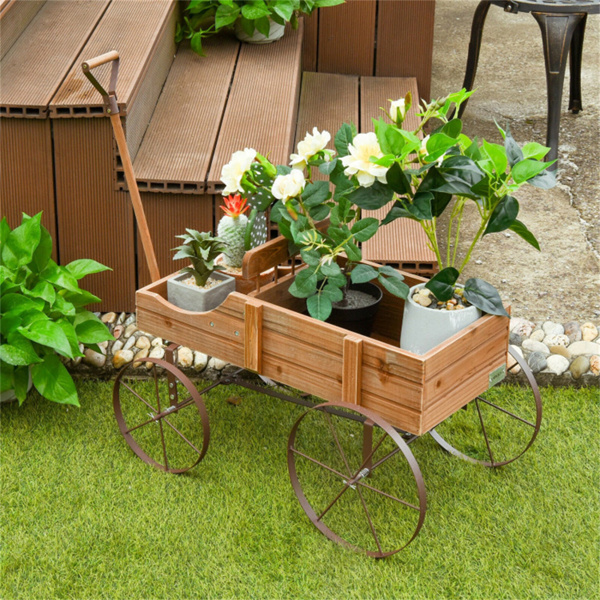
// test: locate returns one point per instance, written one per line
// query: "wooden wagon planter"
(378, 397)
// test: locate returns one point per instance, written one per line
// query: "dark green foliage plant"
(201, 249)
(204, 18)
(43, 313)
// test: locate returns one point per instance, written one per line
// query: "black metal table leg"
(474, 47)
(575, 66)
(557, 33)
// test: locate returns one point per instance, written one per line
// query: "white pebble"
(534, 346)
(129, 343)
(557, 364)
(143, 342)
(589, 332)
(157, 342)
(200, 360)
(538, 335)
(552, 328)
(185, 357)
(582, 348)
(556, 340)
(130, 330)
(217, 364)
(121, 358)
(117, 346)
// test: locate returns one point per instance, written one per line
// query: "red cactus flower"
(235, 206)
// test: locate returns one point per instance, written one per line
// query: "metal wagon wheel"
(495, 428)
(356, 478)
(163, 419)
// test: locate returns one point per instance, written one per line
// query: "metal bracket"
(109, 97)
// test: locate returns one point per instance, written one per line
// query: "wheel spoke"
(366, 460)
(318, 463)
(152, 420)
(379, 462)
(337, 442)
(373, 489)
(139, 397)
(487, 442)
(346, 486)
(364, 504)
(507, 412)
(181, 435)
(162, 432)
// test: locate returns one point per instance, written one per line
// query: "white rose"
(298, 161)
(423, 148)
(313, 143)
(398, 110)
(363, 147)
(288, 186)
(234, 170)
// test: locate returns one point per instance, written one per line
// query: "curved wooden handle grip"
(88, 65)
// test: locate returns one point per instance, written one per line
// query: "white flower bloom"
(363, 147)
(234, 170)
(298, 161)
(288, 186)
(313, 143)
(423, 148)
(398, 110)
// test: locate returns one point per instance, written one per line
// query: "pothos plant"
(43, 313)
(204, 18)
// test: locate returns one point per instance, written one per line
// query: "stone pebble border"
(559, 355)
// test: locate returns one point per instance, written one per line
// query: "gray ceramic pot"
(195, 299)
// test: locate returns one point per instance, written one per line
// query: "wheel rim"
(358, 483)
(499, 429)
(172, 438)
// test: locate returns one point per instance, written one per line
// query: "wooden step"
(30, 78)
(326, 101)
(15, 16)
(239, 96)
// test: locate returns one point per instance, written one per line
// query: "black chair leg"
(474, 47)
(557, 32)
(575, 66)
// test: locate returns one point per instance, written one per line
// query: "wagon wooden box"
(266, 332)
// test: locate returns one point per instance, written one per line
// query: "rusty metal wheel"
(497, 427)
(356, 478)
(163, 418)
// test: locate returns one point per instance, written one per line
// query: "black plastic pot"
(359, 320)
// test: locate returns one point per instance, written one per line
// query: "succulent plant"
(232, 229)
(202, 249)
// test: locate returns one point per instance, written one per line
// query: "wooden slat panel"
(95, 221)
(168, 216)
(309, 47)
(388, 360)
(326, 101)
(27, 181)
(195, 93)
(213, 332)
(261, 110)
(405, 41)
(395, 414)
(346, 36)
(253, 335)
(352, 370)
(401, 242)
(15, 16)
(148, 19)
(30, 77)
(474, 335)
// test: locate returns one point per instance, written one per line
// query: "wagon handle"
(112, 109)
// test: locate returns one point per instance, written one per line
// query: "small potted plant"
(336, 286)
(199, 288)
(42, 314)
(442, 174)
(255, 22)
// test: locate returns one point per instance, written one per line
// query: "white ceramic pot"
(424, 328)
(275, 33)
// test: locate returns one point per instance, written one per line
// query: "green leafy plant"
(203, 18)
(43, 313)
(447, 171)
(418, 179)
(201, 249)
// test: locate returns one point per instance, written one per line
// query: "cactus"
(232, 229)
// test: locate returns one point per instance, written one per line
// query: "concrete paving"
(562, 283)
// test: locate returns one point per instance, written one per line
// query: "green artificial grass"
(82, 517)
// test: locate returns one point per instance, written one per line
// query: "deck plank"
(401, 243)
(29, 77)
(135, 52)
(178, 145)
(262, 105)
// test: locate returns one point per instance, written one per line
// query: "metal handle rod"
(112, 108)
